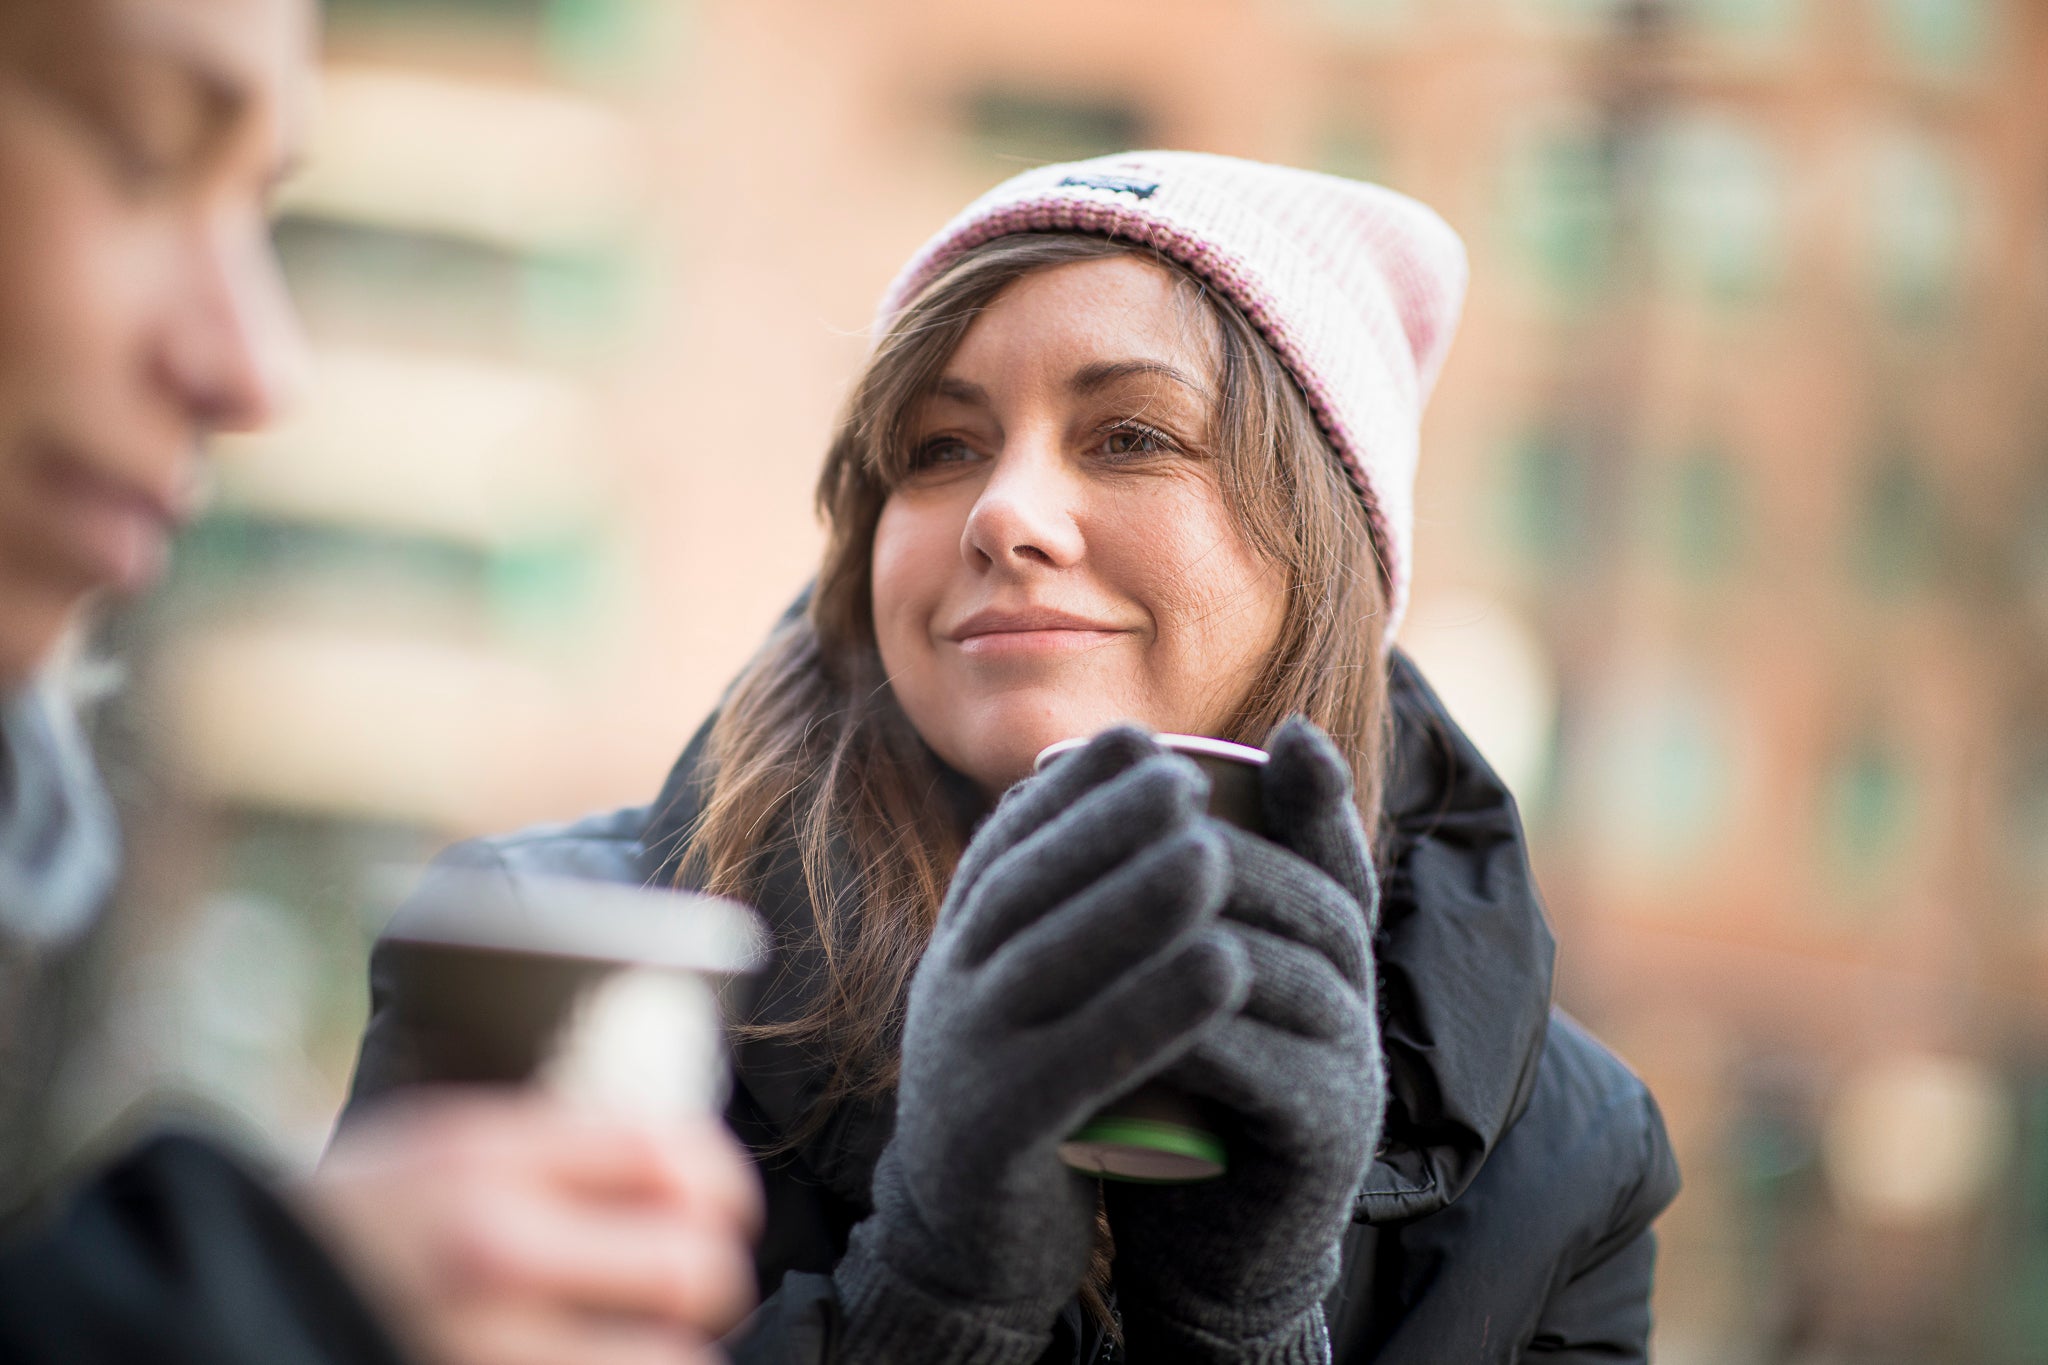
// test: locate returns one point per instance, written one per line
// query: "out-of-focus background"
(1733, 530)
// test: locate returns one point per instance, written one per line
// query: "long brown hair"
(811, 755)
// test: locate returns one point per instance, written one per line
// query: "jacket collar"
(59, 849)
(1465, 960)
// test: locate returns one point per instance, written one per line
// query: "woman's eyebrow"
(961, 391)
(1089, 378)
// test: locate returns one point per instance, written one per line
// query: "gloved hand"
(1236, 1269)
(1078, 953)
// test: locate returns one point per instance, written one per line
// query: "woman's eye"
(150, 133)
(140, 168)
(1134, 440)
(940, 450)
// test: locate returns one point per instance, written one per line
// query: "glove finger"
(1137, 1028)
(1305, 790)
(1297, 990)
(1284, 894)
(1292, 1094)
(1160, 796)
(1078, 949)
(1040, 798)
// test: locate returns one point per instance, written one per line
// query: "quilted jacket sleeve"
(177, 1256)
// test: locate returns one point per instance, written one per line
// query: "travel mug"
(1157, 1135)
(604, 994)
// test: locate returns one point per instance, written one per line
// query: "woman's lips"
(111, 530)
(1009, 634)
(1011, 643)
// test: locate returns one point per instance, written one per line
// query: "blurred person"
(1134, 453)
(141, 310)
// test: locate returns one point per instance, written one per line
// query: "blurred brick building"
(1733, 541)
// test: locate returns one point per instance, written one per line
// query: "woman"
(141, 313)
(1136, 444)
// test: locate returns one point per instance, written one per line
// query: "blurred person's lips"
(1028, 630)
(106, 526)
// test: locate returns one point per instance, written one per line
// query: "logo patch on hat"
(1115, 184)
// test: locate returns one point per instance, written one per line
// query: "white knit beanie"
(1356, 288)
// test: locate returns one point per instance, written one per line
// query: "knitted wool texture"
(1357, 289)
(1079, 952)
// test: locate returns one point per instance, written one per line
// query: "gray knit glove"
(1236, 1269)
(1079, 952)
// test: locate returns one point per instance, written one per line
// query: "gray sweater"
(59, 854)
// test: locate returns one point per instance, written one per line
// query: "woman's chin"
(1005, 749)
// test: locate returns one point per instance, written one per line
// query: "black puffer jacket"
(1508, 1215)
(175, 1254)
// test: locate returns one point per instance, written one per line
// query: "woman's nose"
(1025, 512)
(234, 353)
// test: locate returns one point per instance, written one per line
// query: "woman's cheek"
(1219, 611)
(908, 568)
(1185, 562)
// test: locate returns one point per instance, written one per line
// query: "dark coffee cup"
(603, 993)
(1156, 1134)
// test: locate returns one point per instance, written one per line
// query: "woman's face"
(140, 307)
(1060, 557)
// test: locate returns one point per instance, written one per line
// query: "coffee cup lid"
(1195, 746)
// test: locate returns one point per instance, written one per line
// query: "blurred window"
(1558, 204)
(1750, 23)
(514, 164)
(583, 37)
(361, 281)
(541, 591)
(1494, 671)
(1664, 773)
(1351, 152)
(1720, 207)
(1548, 492)
(480, 215)
(1916, 216)
(1895, 541)
(233, 547)
(1869, 807)
(1706, 534)
(1774, 1143)
(1940, 37)
(502, 10)
(496, 9)
(429, 443)
(600, 36)
(1366, 14)
(2026, 813)
(1039, 126)
(581, 300)
(2023, 1268)
(1572, 14)
(372, 707)
(2030, 551)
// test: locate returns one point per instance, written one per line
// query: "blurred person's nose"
(235, 355)
(1025, 511)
